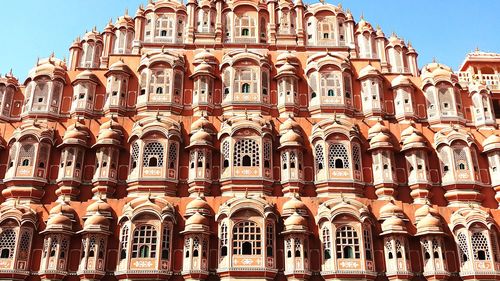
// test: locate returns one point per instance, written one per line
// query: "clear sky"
(444, 29)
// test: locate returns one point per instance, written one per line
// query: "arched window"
(246, 153)
(327, 244)
(223, 240)
(225, 154)
(463, 247)
(338, 156)
(347, 243)
(7, 244)
(144, 242)
(134, 156)
(153, 155)
(247, 239)
(26, 155)
(165, 243)
(319, 157)
(172, 156)
(245, 88)
(124, 242)
(480, 246)
(164, 28)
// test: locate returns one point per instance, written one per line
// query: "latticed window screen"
(144, 242)
(284, 160)
(246, 81)
(356, 156)
(480, 247)
(388, 248)
(92, 246)
(436, 249)
(269, 239)
(327, 244)
(201, 158)
(247, 239)
(463, 247)
(153, 155)
(7, 244)
(246, 153)
(426, 249)
(368, 243)
(330, 84)
(187, 246)
(134, 155)
(172, 156)
(223, 240)
(178, 80)
(124, 242)
(64, 248)
(347, 243)
(24, 244)
(399, 249)
(196, 247)
(494, 246)
(288, 248)
(460, 157)
(225, 154)
(338, 157)
(298, 249)
(165, 243)
(26, 155)
(192, 155)
(165, 27)
(53, 246)
(267, 155)
(320, 159)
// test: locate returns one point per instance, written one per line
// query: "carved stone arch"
(235, 205)
(168, 127)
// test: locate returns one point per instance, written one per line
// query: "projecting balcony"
(491, 80)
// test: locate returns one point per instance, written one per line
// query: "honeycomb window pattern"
(246, 153)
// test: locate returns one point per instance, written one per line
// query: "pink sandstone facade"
(249, 140)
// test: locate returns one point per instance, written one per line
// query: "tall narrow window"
(269, 239)
(124, 242)
(319, 157)
(165, 243)
(7, 244)
(223, 240)
(327, 244)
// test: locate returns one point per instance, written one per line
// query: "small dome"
(379, 32)
(393, 225)
(424, 211)
(200, 123)
(59, 220)
(429, 221)
(52, 67)
(201, 137)
(380, 141)
(291, 137)
(286, 56)
(390, 209)
(61, 208)
(198, 203)
(96, 220)
(118, 66)
(378, 128)
(296, 220)
(293, 205)
(401, 81)
(204, 56)
(203, 68)
(395, 40)
(196, 219)
(74, 132)
(287, 68)
(363, 26)
(409, 131)
(110, 132)
(92, 35)
(491, 143)
(414, 140)
(99, 206)
(368, 71)
(289, 124)
(86, 75)
(438, 72)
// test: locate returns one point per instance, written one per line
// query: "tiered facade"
(249, 140)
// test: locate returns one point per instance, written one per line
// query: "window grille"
(269, 239)
(225, 154)
(368, 244)
(463, 248)
(246, 153)
(124, 242)
(389, 250)
(284, 160)
(319, 157)
(64, 248)
(134, 156)
(338, 158)
(436, 249)
(480, 247)
(347, 243)
(172, 156)
(267, 155)
(165, 252)
(247, 239)
(223, 240)
(356, 156)
(460, 157)
(298, 249)
(196, 247)
(187, 245)
(153, 155)
(53, 246)
(327, 245)
(7, 244)
(26, 155)
(25, 244)
(144, 242)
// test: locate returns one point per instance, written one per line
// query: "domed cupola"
(57, 239)
(291, 151)
(84, 90)
(108, 145)
(396, 245)
(196, 239)
(95, 233)
(404, 102)
(287, 81)
(200, 156)
(383, 163)
(372, 94)
(73, 148)
(118, 76)
(430, 232)
(44, 89)
(204, 82)
(415, 148)
(9, 86)
(442, 93)
(491, 147)
(294, 205)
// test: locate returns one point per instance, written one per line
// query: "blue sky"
(444, 29)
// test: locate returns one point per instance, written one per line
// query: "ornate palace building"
(249, 140)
